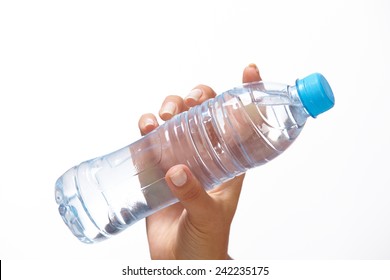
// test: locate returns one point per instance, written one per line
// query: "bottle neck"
(296, 100)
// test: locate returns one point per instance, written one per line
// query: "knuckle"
(173, 98)
(191, 194)
(208, 91)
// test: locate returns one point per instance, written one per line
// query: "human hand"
(198, 227)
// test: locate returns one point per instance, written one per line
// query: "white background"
(76, 75)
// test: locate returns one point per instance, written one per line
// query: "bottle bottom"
(75, 204)
(94, 215)
(71, 206)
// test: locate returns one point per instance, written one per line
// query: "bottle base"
(71, 207)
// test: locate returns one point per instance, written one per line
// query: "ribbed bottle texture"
(218, 140)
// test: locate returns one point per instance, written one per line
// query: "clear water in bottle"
(218, 140)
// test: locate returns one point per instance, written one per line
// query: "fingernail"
(148, 122)
(169, 108)
(254, 66)
(194, 95)
(179, 178)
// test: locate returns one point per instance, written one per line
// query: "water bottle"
(219, 139)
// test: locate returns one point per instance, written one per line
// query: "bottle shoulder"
(273, 102)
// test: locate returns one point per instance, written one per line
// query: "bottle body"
(218, 140)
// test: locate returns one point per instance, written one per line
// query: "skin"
(198, 226)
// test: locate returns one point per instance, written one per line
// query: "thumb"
(188, 190)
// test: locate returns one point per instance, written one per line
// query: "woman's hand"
(198, 227)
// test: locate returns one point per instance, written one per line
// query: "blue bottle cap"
(315, 93)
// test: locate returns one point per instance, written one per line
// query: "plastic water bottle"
(223, 137)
